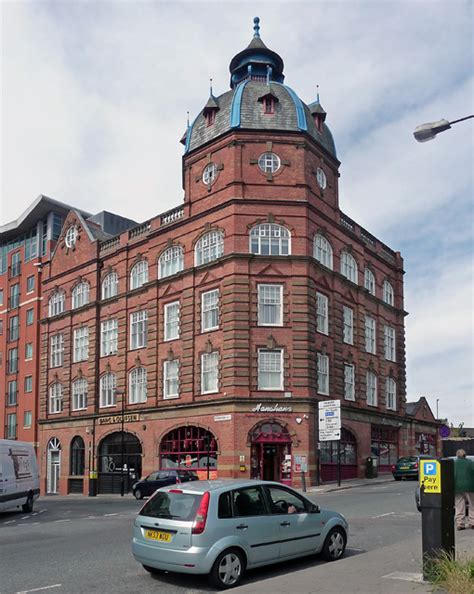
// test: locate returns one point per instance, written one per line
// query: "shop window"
(190, 447)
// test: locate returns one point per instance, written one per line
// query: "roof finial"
(317, 93)
(256, 27)
(210, 87)
(187, 120)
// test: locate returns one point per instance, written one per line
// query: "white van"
(19, 476)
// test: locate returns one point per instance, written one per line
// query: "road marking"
(10, 522)
(383, 515)
(35, 514)
(62, 521)
(90, 517)
(38, 589)
(404, 575)
(41, 511)
(107, 515)
(25, 517)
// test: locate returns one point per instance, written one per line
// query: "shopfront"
(120, 455)
(345, 451)
(271, 453)
(190, 447)
(384, 446)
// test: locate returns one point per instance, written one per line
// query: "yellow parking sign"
(430, 476)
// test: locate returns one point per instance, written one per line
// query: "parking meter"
(437, 510)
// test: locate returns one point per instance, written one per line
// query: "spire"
(256, 27)
(317, 93)
(187, 119)
(210, 88)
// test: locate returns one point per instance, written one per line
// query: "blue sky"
(95, 100)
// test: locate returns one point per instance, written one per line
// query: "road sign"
(430, 476)
(329, 420)
(444, 431)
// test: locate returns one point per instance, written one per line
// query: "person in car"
(464, 489)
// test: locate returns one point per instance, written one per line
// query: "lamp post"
(437, 415)
(428, 131)
(122, 484)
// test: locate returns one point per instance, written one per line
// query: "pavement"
(351, 484)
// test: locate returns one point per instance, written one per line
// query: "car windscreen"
(172, 505)
(407, 459)
(186, 474)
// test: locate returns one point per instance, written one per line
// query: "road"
(80, 545)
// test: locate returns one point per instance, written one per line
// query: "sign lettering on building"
(129, 418)
(272, 408)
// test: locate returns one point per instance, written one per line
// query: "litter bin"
(371, 470)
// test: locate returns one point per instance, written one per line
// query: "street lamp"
(122, 484)
(428, 131)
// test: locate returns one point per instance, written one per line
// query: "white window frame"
(347, 324)
(137, 383)
(171, 379)
(391, 393)
(389, 340)
(28, 355)
(12, 426)
(371, 392)
(369, 280)
(349, 382)
(139, 274)
(388, 293)
(270, 304)
(138, 329)
(80, 295)
(321, 178)
(269, 162)
(370, 335)
(79, 394)
(210, 372)
(57, 303)
(108, 384)
(209, 247)
(108, 337)
(57, 350)
(322, 313)
(81, 344)
(270, 363)
(209, 174)
(28, 384)
(323, 373)
(349, 267)
(55, 398)
(210, 310)
(270, 239)
(110, 286)
(171, 261)
(171, 327)
(322, 251)
(27, 419)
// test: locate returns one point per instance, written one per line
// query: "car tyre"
(397, 478)
(138, 494)
(228, 570)
(28, 506)
(152, 570)
(334, 545)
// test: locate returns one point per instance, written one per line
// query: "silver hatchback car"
(224, 527)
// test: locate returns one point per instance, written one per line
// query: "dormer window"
(210, 117)
(268, 102)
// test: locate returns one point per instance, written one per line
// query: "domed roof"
(257, 72)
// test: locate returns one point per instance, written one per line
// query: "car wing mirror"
(315, 509)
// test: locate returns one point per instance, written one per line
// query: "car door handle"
(242, 527)
(285, 524)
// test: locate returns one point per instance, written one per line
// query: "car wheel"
(28, 506)
(397, 478)
(138, 494)
(227, 570)
(152, 570)
(334, 545)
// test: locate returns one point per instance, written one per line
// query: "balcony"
(139, 230)
(12, 365)
(172, 215)
(14, 301)
(110, 244)
(14, 270)
(13, 333)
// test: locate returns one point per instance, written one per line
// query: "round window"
(269, 162)
(321, 178)
(209, 174)
(71, 236)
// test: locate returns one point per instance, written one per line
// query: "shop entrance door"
(271, 453)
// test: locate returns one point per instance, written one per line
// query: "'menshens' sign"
(272, 408)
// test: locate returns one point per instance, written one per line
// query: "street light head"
(428, 131)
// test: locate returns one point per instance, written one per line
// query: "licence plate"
(404, 468)
(158, 535)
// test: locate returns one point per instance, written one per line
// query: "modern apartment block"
(210, 333)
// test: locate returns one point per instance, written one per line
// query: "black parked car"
(161, 478)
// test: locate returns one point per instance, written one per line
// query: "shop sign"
(222, 417)
(129, 418)
(272, 408)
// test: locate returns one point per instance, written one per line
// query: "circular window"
(321, 178)
(269, 162)
(71, 236)
(209, 174)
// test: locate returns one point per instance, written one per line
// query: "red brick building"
(212, 331)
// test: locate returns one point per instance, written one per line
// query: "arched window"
(79, 394)
(53, 466)
(369, 280)
(189, 447)
(139, 274)
(55, 398)
(110, 285)
(209, 247)
(391, 393)
(388, 294)
(171, 261)
(80, 295)
(108, 383)
(137, 385)
(77, 457)
(349, 267)
(322, 250)
(270, 239)
(57, 302)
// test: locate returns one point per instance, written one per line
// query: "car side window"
(225, 506)
(248, 502)
(152, 477)
(286, 502)
(162, 474)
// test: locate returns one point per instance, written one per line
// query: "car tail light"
(394, 467)
(415, 465)
(201, 514)
(175, 491)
